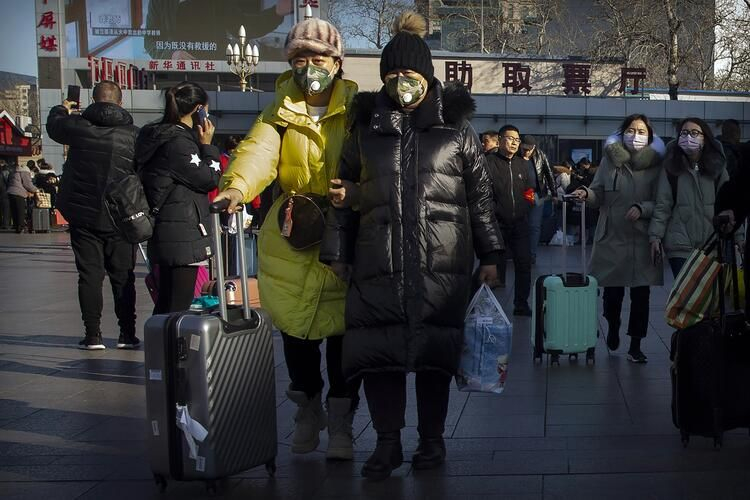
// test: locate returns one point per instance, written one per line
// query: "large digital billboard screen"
(175, 29)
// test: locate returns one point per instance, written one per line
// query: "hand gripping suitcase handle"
(215, 209)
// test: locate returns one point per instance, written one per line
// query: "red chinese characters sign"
(47, 20)
(48, 35)
(517, 77)
(637, 75)
(577, 79)
(459, 72)
(126, 75)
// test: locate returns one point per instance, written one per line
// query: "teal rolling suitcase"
(564, 309)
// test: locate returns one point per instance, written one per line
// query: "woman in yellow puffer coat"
(298, 140)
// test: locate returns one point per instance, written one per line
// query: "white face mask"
(690, 145)
(635, 142)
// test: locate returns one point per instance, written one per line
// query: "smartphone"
(74, 95)
(202, 115)
(336, 185)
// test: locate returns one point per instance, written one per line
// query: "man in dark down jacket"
(424, 210)
(102, 143)
(540, 176)
(510, 179)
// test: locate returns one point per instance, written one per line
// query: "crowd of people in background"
(421, 212)
(20, 185)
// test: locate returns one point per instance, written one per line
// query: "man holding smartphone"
(101, 144)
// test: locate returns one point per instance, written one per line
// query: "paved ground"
(72, 423)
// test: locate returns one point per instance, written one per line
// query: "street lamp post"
(242, 60)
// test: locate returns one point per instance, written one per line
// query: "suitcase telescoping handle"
(221, 271)
(570, 198)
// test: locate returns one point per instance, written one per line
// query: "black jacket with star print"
(177, 173)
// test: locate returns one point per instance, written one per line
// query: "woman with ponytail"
(178, 167)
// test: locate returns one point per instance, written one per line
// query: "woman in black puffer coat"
(178, 167)
(425, 209)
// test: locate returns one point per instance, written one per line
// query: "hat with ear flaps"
(407, 49)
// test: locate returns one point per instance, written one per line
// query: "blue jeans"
(535, 225)
(676, 264)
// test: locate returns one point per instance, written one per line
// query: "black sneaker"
(637, 357)
(92, 343)
(128, 342)
(613, 335)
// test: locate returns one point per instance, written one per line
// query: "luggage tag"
(286, 230)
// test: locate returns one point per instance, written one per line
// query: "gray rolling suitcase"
(40, 220)
(210, 388)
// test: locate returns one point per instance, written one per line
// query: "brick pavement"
(72, 423)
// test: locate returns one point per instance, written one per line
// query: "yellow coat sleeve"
(254, 163)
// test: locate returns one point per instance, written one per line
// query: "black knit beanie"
(407, 49)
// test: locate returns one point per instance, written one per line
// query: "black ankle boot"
(430, 453)
(386, 457)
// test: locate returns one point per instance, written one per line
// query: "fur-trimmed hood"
(648, 157)
(450, 103)
(712, 161)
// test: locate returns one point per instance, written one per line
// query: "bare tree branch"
(368, 20)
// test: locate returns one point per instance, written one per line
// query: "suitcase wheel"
(591, 355)
(554, 359)
(271, 468)
(537, 357)
(161, 482)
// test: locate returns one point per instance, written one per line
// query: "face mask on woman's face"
(690, 145)
(404, 90)
(635, 142)
(311, 79)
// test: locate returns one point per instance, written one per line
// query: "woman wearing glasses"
(624, 190)
(694, 170)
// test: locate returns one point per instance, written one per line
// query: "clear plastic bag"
(487, 342)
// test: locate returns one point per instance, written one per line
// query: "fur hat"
(407, 49)
(314, 35)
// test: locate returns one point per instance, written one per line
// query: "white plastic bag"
(487, 341)
(557, 239)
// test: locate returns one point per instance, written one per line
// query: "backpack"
(127, 206)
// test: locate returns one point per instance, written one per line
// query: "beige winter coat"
(621, 254)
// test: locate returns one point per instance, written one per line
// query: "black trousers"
(386, 399)
(516, 238)
(97, 253)
(176, 288)
(18, 211)
(639, 300)
(303, 364)
(4, 209)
